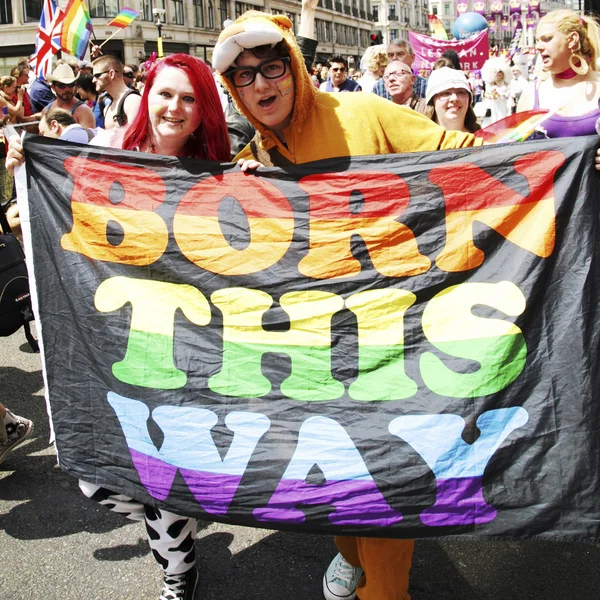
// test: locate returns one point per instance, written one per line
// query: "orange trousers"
(386, 564)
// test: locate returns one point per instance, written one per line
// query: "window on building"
(211, 15)
(103, 8)
(222, 12)
(393, 34)
(148, 5)
(392, 12)
(435, 9)
(178, 12)
(32, 10)
(5, 12)
(199, 13)
(376, 12)
(446, 9)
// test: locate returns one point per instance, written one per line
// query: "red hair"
(210, 140)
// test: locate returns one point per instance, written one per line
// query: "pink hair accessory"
(150, 61)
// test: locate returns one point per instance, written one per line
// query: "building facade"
(191, 26)
(394, 18)
(447, 13)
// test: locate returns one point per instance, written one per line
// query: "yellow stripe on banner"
(309, 314)
(380, 315)
(448, 316)
(154, 303)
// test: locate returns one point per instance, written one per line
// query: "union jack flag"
(47, 40)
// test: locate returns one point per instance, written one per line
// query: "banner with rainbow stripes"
(397, 346)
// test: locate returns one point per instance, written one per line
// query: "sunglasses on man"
(63, 86)
(128, 75)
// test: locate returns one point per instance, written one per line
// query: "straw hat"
(62, 74)
(444, 79)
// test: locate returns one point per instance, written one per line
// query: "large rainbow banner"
(400, 346)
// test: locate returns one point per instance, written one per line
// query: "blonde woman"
(374, 62)
(569, 85)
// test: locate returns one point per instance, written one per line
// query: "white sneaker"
(341, 579)
(15, 430)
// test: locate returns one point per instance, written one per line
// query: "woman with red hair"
(180, 115)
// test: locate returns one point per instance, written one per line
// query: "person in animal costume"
(264, 71)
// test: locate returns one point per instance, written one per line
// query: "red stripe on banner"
(468, 187)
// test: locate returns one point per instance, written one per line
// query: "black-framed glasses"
(98, 75)
(269, 69)
(62, 86)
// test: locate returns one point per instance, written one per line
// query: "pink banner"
(534, 6)
(505, 24)
(515, 6)
(462, 8)
(472, 52)
(492, 23)
(531, 21)
(496, 8)
(479, 7)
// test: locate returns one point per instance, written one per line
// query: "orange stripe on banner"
(203, 243)
(529, 226)
(144, 239)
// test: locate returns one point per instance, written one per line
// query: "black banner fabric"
(391, 346)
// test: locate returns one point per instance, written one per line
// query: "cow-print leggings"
(171, 537)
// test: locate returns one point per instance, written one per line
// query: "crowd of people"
(262, 106)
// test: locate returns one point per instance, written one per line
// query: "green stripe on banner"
(381, 375)
(310, 380)
(149, 362)
(501, 359)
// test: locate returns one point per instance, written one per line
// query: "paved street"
(56, 545)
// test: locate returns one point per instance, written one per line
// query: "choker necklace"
(568, 74)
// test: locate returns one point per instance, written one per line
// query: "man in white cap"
(399, 80)
(62, 83)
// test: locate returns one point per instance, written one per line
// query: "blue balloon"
(468, 24)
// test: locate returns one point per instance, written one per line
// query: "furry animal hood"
(255, 29)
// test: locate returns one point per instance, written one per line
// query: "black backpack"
(15, 301)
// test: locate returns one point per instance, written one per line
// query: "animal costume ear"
(282, 21)
(245, 34)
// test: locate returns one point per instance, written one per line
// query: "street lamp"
(159, 13)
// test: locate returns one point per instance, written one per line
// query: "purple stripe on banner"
(459, 501)
(156, 475)
(213, 491)
(354, 502)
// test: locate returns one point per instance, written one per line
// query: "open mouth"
(173, 121)
(267, 102)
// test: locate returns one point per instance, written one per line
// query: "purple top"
(558, 127)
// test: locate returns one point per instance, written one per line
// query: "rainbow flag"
(437, 28)
(77, 29)
(125, 18)
(514, 128)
